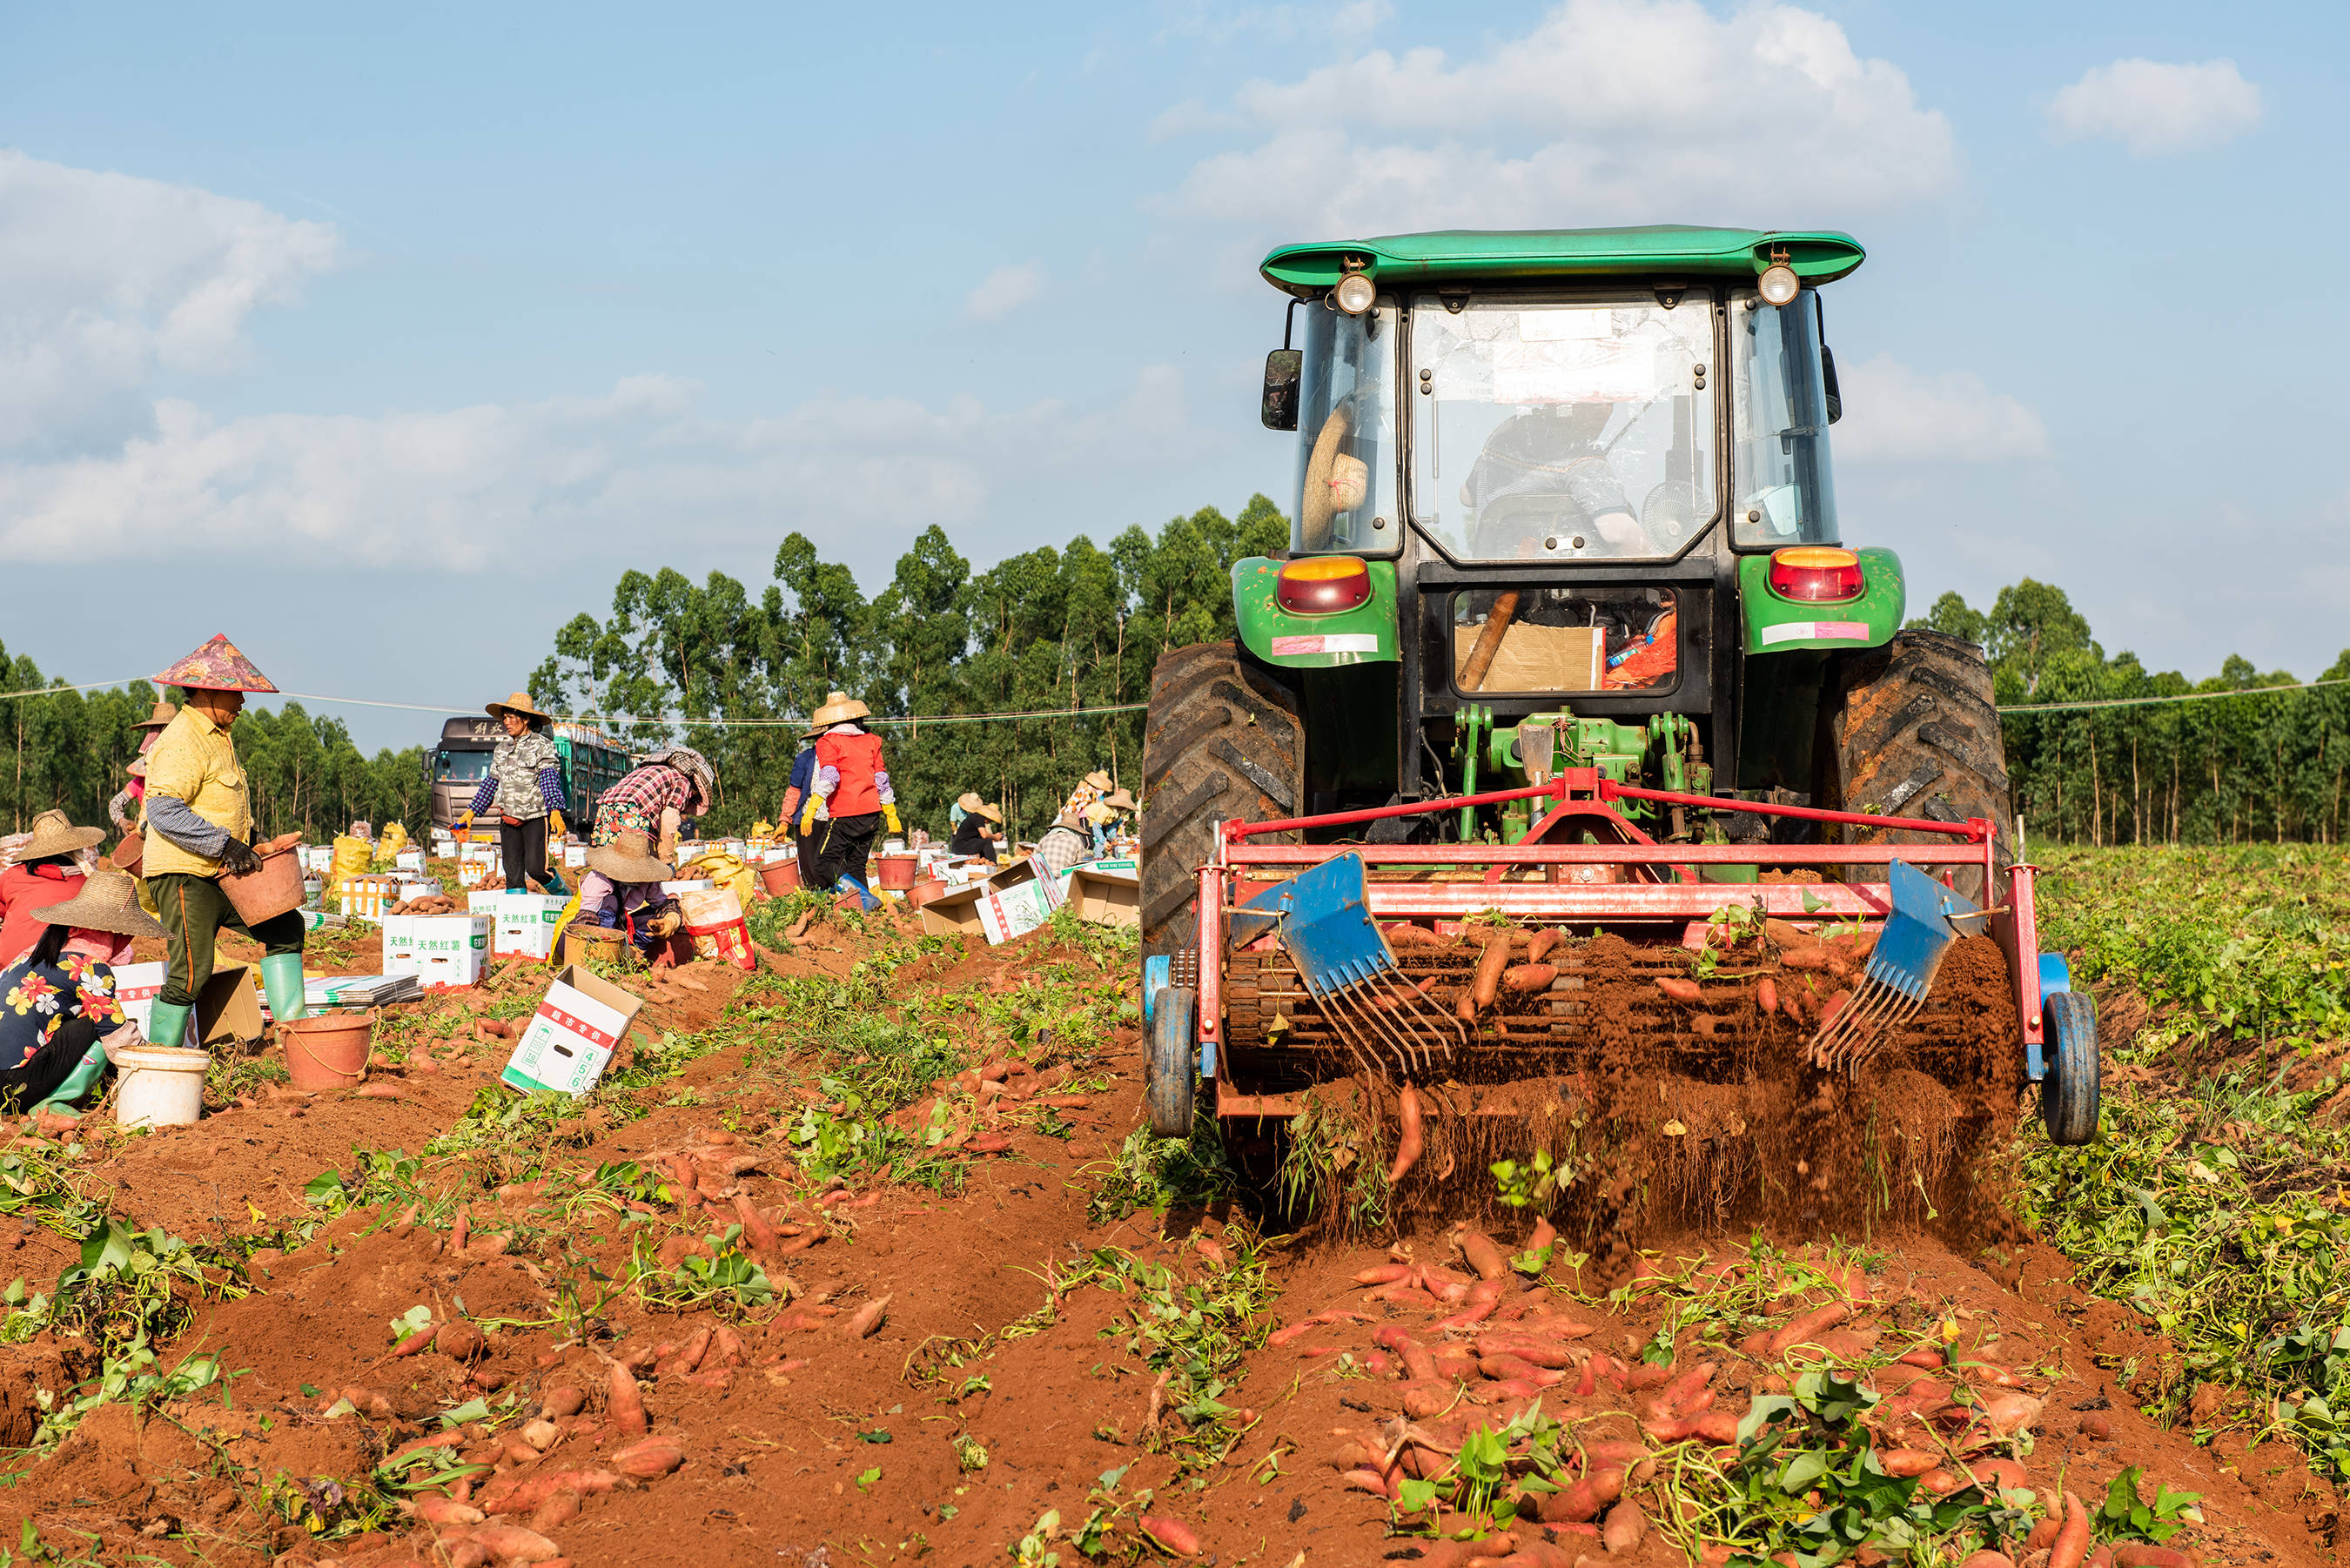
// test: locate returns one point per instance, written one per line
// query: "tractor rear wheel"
(1221, 740)
(1912, 731)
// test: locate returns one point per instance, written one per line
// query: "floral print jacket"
(38, 1000)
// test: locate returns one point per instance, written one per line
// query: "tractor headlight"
(1355, 293)
(1779, 285)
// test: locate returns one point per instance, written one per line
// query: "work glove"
(665, 924)
(890, 815)
(808, 813)
(237, 859)
(555, 825)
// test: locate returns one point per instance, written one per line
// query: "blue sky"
(385, 345)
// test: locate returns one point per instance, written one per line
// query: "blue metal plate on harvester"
(1328, 930)
(1917, 933)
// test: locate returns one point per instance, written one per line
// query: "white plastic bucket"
(158, 1088)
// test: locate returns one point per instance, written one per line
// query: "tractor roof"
(1655, 251)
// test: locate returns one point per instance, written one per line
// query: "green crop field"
(2217, 1201)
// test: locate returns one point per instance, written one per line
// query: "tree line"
(1072, 633)
(2223, 769)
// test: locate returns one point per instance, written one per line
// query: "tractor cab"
(1551, 454)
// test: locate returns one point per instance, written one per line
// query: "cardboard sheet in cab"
(1538, 657)
(572, 1035)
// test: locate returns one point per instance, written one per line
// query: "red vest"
(859, 758)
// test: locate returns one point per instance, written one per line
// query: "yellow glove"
(807, 813)
(890, 815)
(555, 825)
(464, 832)
(665, 924)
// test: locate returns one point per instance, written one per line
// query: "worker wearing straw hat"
(57, 1005)
(622, 891)
(852, 795)
(1104, 815)
(123, 810)
(45, 872)
(524, 786)
(199, 828)
(975, 827)
(655, 797)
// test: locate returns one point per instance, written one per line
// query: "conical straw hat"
(108, 902)
(162, 716)
(217, 666)
(838, 708)
(55, 834)
(628, 858)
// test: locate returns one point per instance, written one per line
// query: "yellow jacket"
(194, 761)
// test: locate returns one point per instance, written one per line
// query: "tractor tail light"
(1323, 585)
(1815, 574)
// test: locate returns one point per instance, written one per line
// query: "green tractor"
(1562, 492)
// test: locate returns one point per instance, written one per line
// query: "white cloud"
(107, 278)
(1004, 290)
(2153, 107)
(1607, 110)
(1893, 414)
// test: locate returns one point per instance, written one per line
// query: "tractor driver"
(1545, 475)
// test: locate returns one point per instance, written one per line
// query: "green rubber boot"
(281, 982)
(78, 1083)
(167, 1025)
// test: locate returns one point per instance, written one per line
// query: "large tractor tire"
(1912, 731)
(1221, 740)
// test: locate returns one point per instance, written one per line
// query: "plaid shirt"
(637, 802)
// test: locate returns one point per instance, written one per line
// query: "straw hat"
(162, 715)
(55, 834)
(1099, 780)
(693, 765)
(1334, 482)
(839, 708)
(628, 858)
(974, 806)
(217, 666)
(519, 702)
(108, 901)
(1118, 800)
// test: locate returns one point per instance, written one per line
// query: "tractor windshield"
(1562, 431)
(1781, 468)
(1345, 422)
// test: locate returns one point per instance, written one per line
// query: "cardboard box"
(1537, 657)
(1106, 898)
(954, 913)
(229, 1007)
(442, 951)
(525, 922)
(571, 1036)
(135, 985)
(410, 860)
(688, 886)
(574, 856)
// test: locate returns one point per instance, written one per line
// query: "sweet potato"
(625, 1403)
(465, 1553)
(1527, 1347)
(513, 1543)
(2071, 1547)
(1483, 1255)
(415, 1342)
(459, 1340)
(1810, 956)
(867, 1319)
(1171, 1533)
(1529, 976)
(1683, 991)
(1502, 1365)
(1987, 1558)
(1540, 942)
(1903, 1464)
(1835, 1005)
(555, 1513)
(758, 1235)
(441, 1512)
(1407, 1140)
(1404, 934)
(989, 1143)
(1815, 1322)
(1584, 1499)
(1366, 1480)
(1766, 994)
(1624, 1527)
(2139, 1554)
(1487, 983)
(379, 1092)
(653, 1457)
(1384, 1275)
(1469, 1317)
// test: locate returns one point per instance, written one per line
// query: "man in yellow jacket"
(199, 828)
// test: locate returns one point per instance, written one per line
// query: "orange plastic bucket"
(329, 1052)
(922, 892)
(273, 890)
(897, 871)
(780, 876)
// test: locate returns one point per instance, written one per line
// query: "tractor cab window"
(1780, 466)
(1557, 639)
(1345, 424)
(1562, 431)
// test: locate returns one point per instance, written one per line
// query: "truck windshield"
(1345, 424)
(1781, 460)
(464, 767)
(1559, 431)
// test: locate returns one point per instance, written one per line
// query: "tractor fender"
(1364, 635)
(1774, 625)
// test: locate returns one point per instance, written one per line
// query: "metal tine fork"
(1901, 969)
